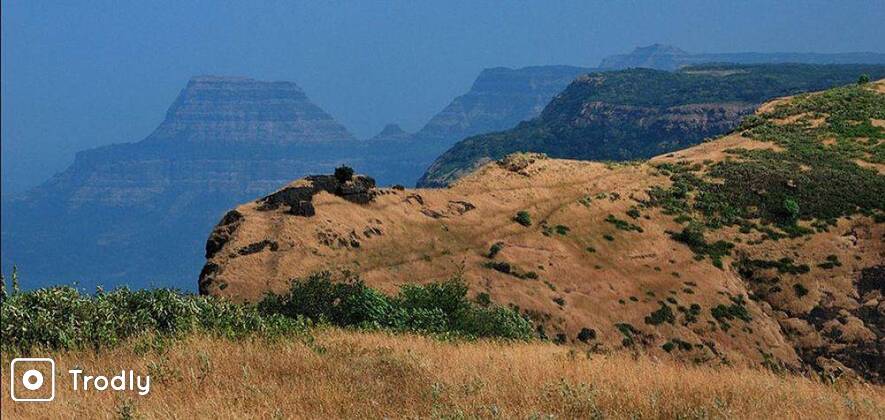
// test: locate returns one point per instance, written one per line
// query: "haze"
(80, 75)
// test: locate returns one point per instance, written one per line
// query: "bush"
(586, 334)
(660, 316)
(343, 173)
(483, 299)
(800, 290)
(523, 217)
(438, 308)
(791, 210)
(863, 79)
(495, 249)
(63, 318)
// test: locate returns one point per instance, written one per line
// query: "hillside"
(763, 247)
(640, 113)
(668, 57)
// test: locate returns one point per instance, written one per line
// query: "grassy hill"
(763, 247)
(640, 113)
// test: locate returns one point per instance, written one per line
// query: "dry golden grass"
(351, 374)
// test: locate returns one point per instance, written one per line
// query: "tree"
(863, 79)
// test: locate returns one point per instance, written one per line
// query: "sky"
(77, 75)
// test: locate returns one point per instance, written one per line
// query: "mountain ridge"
(667, 57)
(638, 113)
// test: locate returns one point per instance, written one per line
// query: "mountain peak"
(233, 109)
(391, 132)
(392, 129)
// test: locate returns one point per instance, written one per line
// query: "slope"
(761, 247)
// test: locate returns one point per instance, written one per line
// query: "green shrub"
(499, 266)
(523, 217)
(622, 224)
(483, 299)
(495, 249)
(660, 316)
(737, 309)
(791, 209)
(800, 290)
(63, 318)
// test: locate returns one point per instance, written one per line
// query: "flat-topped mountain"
(214, 109)
(761, 247)
(639, 113)
(136, 213)
(668, 57)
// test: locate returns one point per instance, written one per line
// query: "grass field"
(333, 373)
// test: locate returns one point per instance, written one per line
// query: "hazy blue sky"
(80, 74)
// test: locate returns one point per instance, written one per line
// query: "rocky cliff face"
(668, 57)
(499, 99)
(639, 113)
(136, 213)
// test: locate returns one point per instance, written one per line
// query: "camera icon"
(32, 379)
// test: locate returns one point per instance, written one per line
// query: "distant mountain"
(391, 132)
(639, 113)
(668, 57)
(499, 99)
(136, 213)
